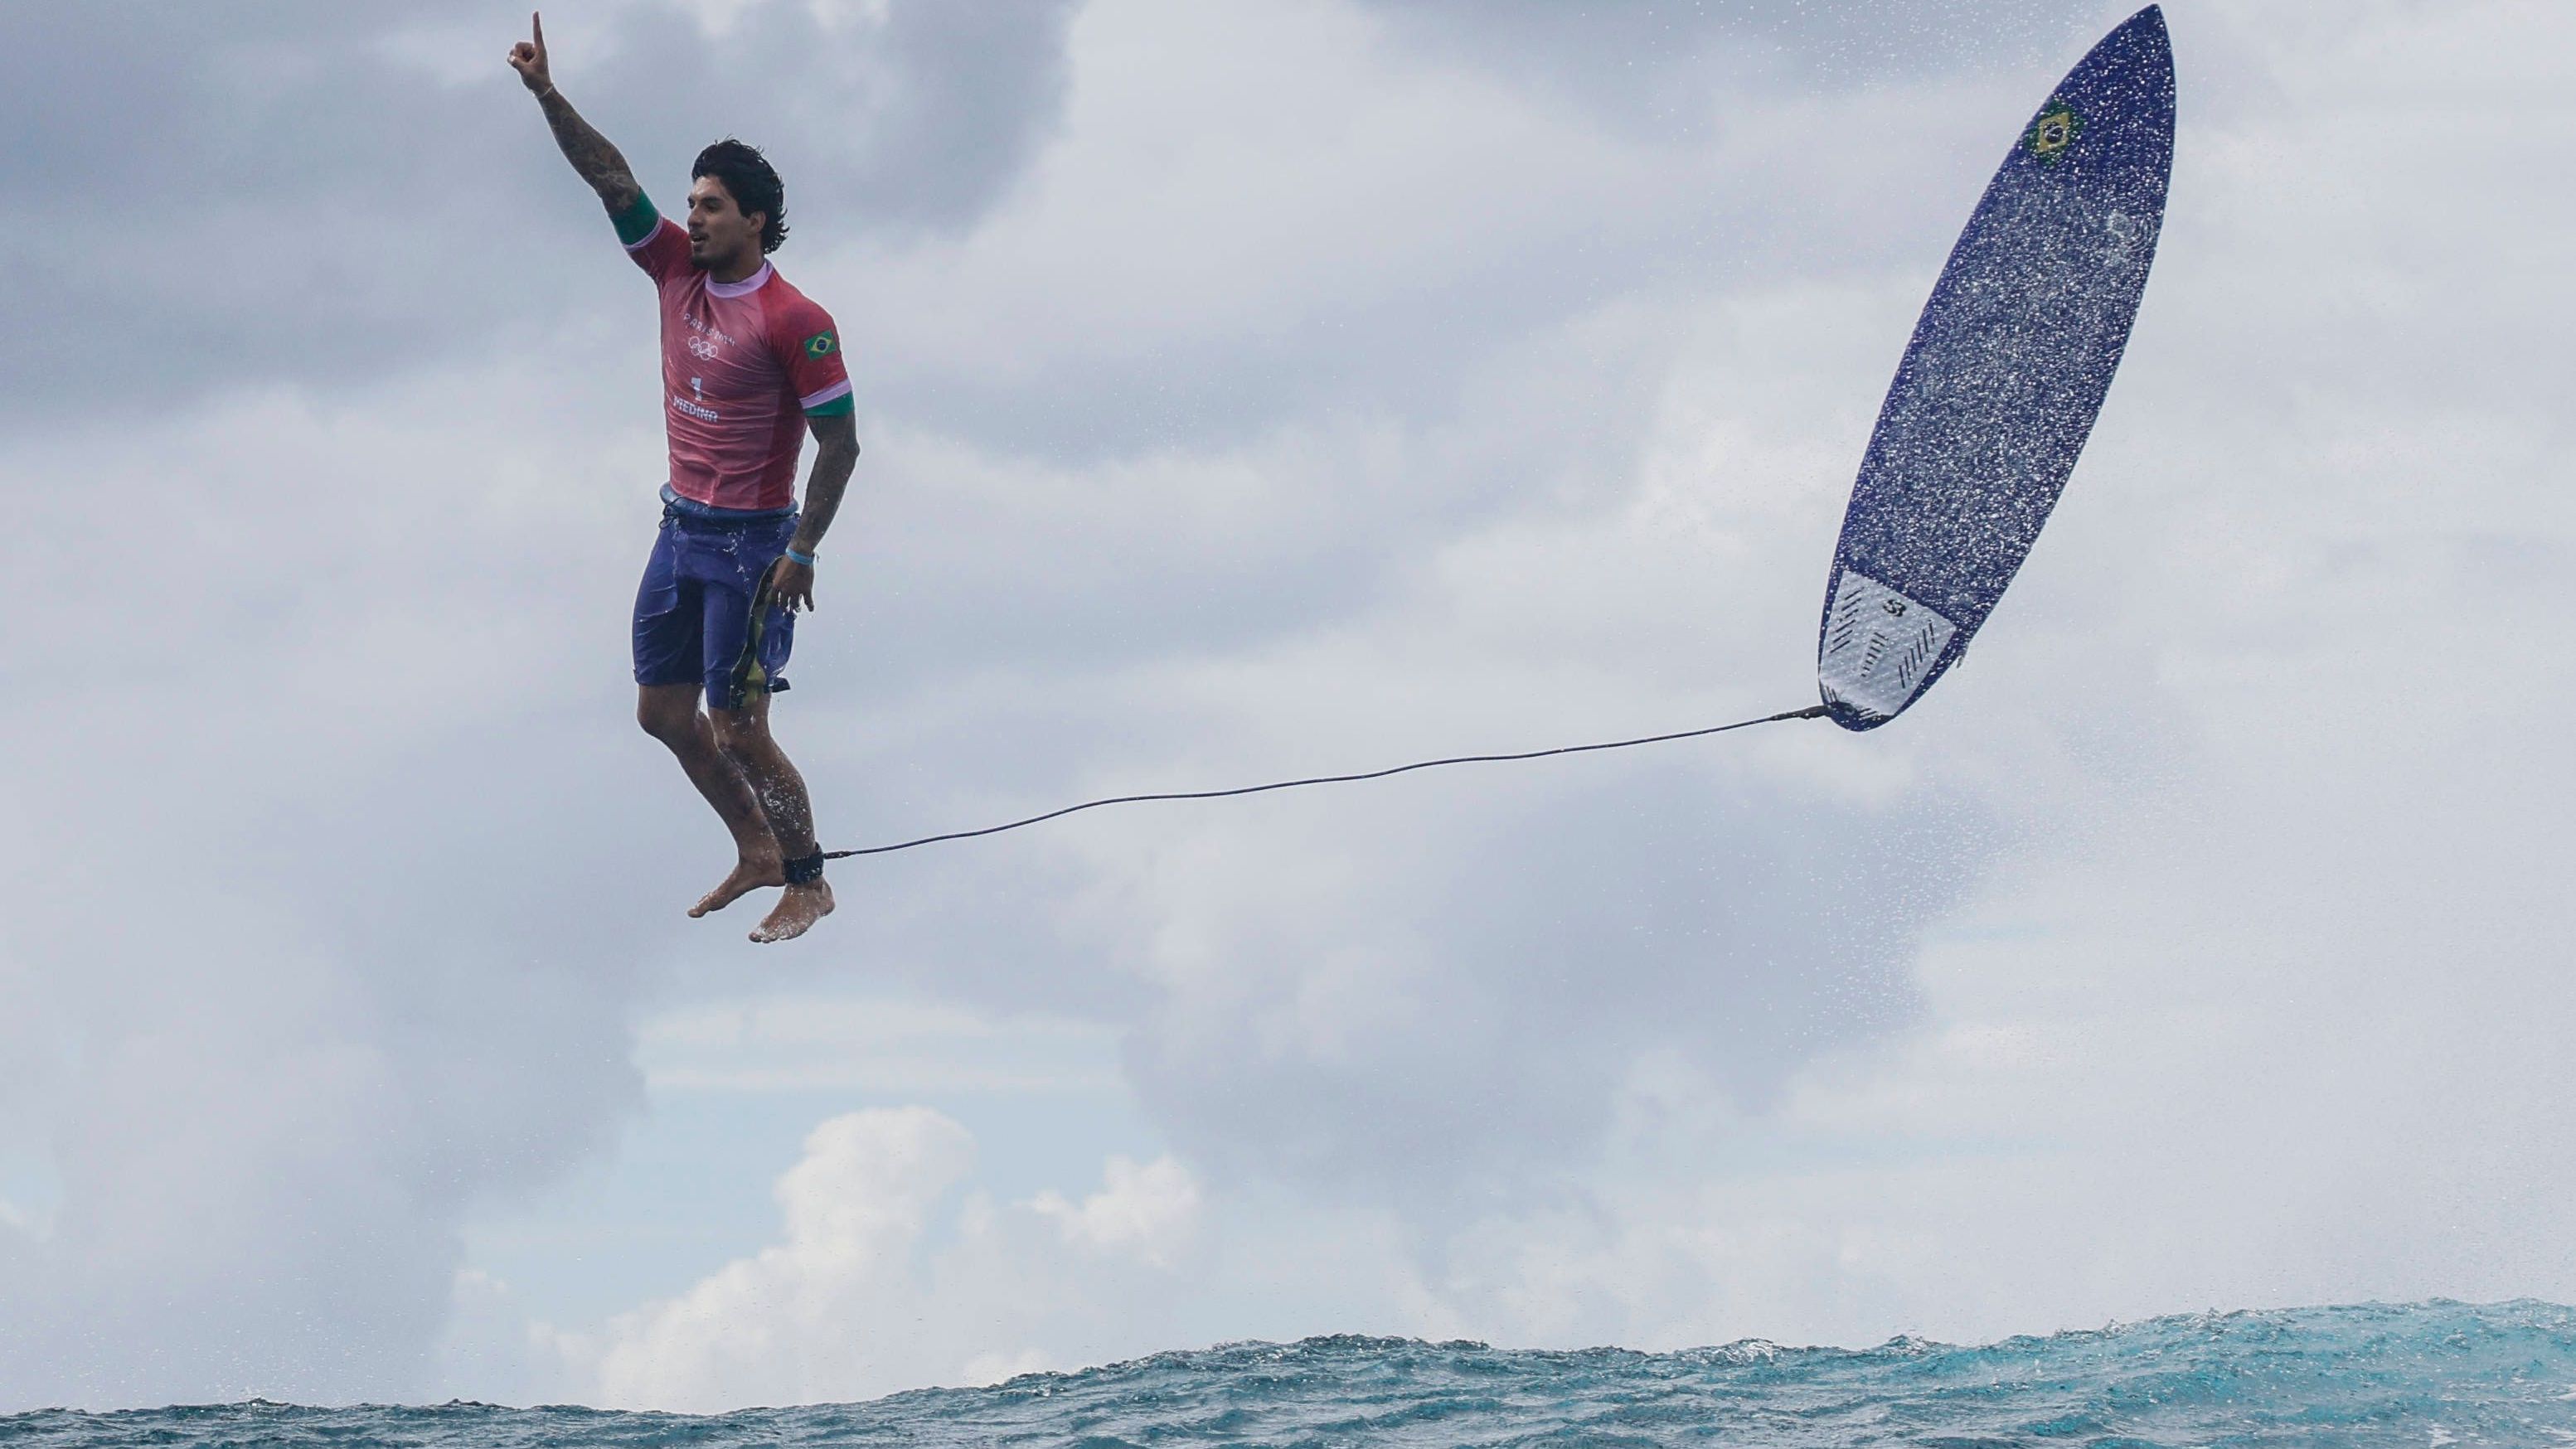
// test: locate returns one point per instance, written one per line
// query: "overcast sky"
(1251, 390)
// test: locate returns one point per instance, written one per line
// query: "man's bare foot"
(796, 912)
(748, 875)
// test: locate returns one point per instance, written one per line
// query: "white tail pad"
(1878, 646)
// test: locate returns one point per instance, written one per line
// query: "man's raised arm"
(599, 163)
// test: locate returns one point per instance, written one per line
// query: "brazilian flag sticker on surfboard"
(2052, 131)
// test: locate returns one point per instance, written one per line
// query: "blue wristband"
(806, 559)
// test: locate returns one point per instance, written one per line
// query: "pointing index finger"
(537, 28)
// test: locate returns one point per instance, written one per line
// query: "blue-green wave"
(2424, 1375)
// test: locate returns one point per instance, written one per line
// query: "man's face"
(719, 232)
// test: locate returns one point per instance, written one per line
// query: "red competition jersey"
(743, 364)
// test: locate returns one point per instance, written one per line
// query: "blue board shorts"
(693, 610)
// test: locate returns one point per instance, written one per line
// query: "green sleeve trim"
(839, 407)
(637, 222)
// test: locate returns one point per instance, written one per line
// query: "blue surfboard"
(2000, 386)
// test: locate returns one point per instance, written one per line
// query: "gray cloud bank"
(328, 194)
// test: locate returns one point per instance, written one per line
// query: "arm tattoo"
(836, 453)
(599, 163)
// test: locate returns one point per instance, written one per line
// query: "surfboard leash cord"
(1813, 711)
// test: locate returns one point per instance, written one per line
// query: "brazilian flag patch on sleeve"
(821, 344)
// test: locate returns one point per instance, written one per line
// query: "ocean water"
(2426, 1375)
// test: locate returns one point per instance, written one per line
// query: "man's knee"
(670, 720)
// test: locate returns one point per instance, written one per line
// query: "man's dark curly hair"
(749, 179)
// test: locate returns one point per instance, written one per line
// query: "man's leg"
(743, 736)
(669, 713)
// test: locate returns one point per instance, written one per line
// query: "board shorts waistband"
(675, 506)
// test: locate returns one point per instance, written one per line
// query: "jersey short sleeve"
(657, 243)
(809, 346)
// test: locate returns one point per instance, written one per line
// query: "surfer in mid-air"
(748, 365)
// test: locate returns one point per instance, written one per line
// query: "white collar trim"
(743, 288)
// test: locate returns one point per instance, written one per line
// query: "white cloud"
(1148, 1210)
(860, 1297)
(807, 1318)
